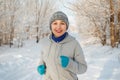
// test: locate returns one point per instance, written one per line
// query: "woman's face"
(58, 28)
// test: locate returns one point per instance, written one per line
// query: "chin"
(59, 35)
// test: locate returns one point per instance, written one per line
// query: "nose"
(58, 26)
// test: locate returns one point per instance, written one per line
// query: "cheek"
(64, 28)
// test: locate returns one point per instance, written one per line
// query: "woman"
(61, 55)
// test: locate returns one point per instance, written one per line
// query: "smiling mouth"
(58, 31)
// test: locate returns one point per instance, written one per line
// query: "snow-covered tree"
(95, 13)
(28, 17)
(40, 11)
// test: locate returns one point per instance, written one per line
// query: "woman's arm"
(78, 64)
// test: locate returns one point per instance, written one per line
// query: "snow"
(103, 61)
(21, 63)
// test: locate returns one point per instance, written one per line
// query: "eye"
(62, 23)
(54, 23)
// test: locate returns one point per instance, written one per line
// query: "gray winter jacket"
(50, 53)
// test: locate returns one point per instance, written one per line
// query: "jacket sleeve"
(78, 64)
(41, 62)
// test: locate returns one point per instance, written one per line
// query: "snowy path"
(103, 62)
(21, 63)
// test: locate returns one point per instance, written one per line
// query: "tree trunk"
(119, 26)
(112, 34)
(112, 27)
(12, 30)
(37, 37)
(11, 36)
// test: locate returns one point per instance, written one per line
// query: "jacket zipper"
(55, 60)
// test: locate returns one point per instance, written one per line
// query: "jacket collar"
(59, 39)
(67, 39)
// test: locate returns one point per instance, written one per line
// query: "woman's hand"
(64, 61)
(41, 69)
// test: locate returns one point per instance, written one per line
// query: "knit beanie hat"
(59, 15)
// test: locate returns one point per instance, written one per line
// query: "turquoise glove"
(64, 61)
(41, 69)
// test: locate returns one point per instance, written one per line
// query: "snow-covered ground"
(21, 63)
(103, 62)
